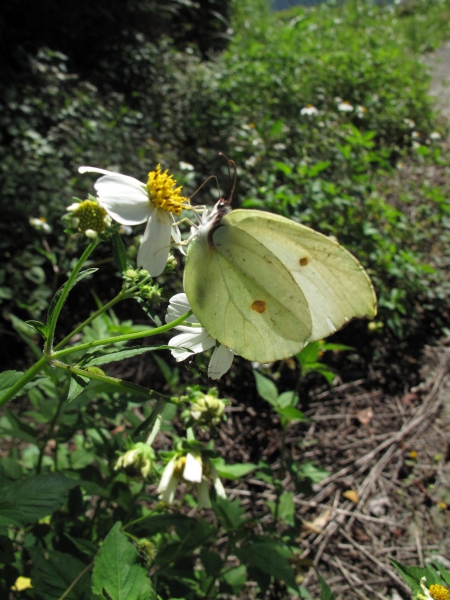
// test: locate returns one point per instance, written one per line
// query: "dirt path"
(439, 66)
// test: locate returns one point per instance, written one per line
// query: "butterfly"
(265, 286)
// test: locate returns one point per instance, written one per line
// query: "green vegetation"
(326, 114)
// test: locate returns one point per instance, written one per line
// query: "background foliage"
(101, 84)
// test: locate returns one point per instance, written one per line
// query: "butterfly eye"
(259, 306)
(303, 262)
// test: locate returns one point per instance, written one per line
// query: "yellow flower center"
(90, 216)
(439, 592)
(162, 191)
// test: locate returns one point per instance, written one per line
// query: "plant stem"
(126, 386)
(51, 326)
(121, 338)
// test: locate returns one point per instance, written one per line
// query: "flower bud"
(137, 462)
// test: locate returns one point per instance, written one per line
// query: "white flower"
(415, 135)
(309, 110)
(344, 106)
(361, 111)
(185, 166)
(41, 224)
(130, 202)
(409, 122)
(190, 468)
(435, 135)
(195, 339)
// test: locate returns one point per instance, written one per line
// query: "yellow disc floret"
(89, 216)
(439, 592)
(162, 191)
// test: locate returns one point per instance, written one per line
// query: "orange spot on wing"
(303, 261)
(259, 306)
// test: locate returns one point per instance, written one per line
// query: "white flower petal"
(168, 496)
(218, 486)
(166, 476)
(203, 495)
(193, 469)
(155, 245)
(220, 362)
(190, 343)
(179, 306)
(124, 198)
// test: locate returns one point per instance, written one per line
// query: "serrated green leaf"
(38, 327)
(27, 501)
(270, 557)
(413, 575)
(54, 572)
(84, 546)
(81, 275)
(445, 574)
(266, 388)
(119, 252)
(117, 573)
(103, 359)
(230, 514)
(286, 508)
(325, 591)
(76, 386)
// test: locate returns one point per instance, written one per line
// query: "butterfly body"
(265, 286)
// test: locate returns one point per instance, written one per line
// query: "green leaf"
(76, 386)
(38, 327)
(270, 557)
(84, 546)
(325, 590)
(119, 252)
(235, 471)
(117, 573)
(266, 388)
(286, 508)
(236, 578)
(316, 474)
(443, 571)
(6, 550)
(287, 399)
(19, 428)
(229, 514)
(81, 275)
(291, 413)
(413, 575)
(103, 359)
(53, 572)
(25, 502)
(212, 562)
(10, 378)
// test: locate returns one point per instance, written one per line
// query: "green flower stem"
(120, 296)
(64, 293)
(120, 338)
(26, 378)
(126, 386)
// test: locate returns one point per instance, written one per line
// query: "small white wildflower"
(344, 106)
(310, 110)
(409, 122)
(40, 224)
(195, 339)
(184, 166)
(435, 135)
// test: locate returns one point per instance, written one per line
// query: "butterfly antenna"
(231, 186)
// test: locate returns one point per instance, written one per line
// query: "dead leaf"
(351, 495)
(365, 416)
(319, 523)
